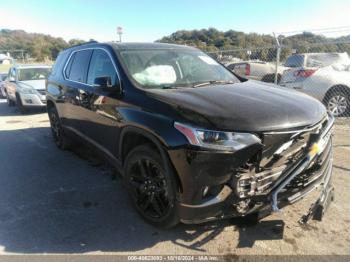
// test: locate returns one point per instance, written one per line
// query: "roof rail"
(85, 43)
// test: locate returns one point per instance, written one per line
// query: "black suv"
(193, 141)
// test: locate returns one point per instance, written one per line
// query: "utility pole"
(120, 32)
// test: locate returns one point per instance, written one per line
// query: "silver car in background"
(25, 86)
(325, 76)
(3, 77)
(257, 70)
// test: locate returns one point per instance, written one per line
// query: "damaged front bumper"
(208, 168)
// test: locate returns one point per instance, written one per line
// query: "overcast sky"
(150, 20)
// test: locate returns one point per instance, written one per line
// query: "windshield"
(159, 68)
(26, 74)
(295, 61)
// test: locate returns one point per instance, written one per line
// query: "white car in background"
(325, 76)
(257, 70)
(3, 77)
(25, 86)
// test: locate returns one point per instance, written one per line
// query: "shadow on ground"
(54, 201)
(5, 110)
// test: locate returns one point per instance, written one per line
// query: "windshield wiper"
(212, 83)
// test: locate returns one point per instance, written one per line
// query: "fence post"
(277, 57)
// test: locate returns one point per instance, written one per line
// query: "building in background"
(5, 59)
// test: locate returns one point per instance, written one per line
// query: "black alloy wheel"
(151, 188)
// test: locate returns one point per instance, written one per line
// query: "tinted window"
(295, 61)
(59, 63)
(101, 65)
(69, 66)
(79, 67)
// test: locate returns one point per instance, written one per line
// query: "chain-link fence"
(319, 69)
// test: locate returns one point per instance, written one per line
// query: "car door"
(75, 89)
(100, 105)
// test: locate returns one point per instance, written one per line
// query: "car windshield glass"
(318, 60)
(159, 68)
(26, 74)
(295, 61)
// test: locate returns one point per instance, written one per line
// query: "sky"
(146, 20)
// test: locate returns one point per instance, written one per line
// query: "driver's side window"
(101, 66)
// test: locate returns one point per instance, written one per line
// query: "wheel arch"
(333, 88)
(132, 136)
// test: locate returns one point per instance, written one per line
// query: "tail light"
(247, 69)
(304, 73)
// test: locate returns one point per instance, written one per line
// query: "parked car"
(325, 76)
(25, 86)
(3, 77)
(193, 141)
(257, 70)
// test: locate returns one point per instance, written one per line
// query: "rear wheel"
(337, 102)
(152, 188)
(60, 139)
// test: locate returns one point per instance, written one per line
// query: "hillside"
(40, 47)
(212, 40)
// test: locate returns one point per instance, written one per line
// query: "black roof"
(131, 46)
(128, 46)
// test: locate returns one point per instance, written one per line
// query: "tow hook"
(318, 209)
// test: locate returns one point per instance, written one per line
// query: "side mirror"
(11, 79)
(104, 83)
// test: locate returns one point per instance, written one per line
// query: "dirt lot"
(61, 202)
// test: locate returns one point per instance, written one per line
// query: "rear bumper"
(312, 173)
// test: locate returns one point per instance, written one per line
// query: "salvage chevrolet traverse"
(193, 141)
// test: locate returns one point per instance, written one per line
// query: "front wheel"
(337, 102)
(9, 101)
(20, 106)
(152, 188)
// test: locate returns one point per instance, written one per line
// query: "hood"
(249, 106)
(36, 84)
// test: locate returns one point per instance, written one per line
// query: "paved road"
(54, 201)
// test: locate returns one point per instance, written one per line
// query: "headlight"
(27, 90)
(231, 141)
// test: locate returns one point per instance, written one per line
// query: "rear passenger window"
(69, 66)
(79, 66)
(101, 65)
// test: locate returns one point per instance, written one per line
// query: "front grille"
(282, 152)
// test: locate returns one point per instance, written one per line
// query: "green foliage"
(40, 47)
(261, 46)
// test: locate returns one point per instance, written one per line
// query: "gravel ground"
(63, 202)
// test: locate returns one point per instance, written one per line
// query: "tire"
(58, 135)
(19, 104)
(270, 78)
(337, 101)
(151, 188)
(9, 101)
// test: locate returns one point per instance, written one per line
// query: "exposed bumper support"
(322, 142)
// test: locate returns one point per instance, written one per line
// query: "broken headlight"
(219, 140)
